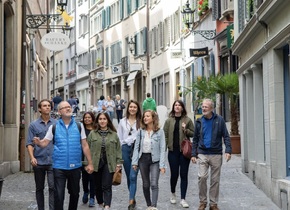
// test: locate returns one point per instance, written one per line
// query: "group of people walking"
(93, 150)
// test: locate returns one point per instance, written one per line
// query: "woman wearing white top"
(149, 156)
(127, 131)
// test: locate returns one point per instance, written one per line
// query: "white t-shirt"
(147, 142)
(49, 134)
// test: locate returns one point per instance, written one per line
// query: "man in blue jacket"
(69, 143)
(41, 158)
(210, 130)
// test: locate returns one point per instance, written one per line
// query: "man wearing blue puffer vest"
(69, 143)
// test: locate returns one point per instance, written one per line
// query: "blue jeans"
(150, 177)
(130, 173)
(178, 166)
(111, 115)
(39, 177)
(73, 185)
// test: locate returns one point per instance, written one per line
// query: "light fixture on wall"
(36, 21)
(132, 45)
(187, 16)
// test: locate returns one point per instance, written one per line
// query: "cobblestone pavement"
(236, 192)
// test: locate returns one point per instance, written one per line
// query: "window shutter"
(192, 80)
(150, 43)
(129, 6)
(121, 2)
(136, 45)
(144, 40)
(212, 64)
(216, 9)
(109, 17)
(103, 19)
(161, 35)
(200, 68)
(107, 56)
(241, 15)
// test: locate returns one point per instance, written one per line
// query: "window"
(96, 24)
(83, 24)
(166, 30)
(116, 53)
(115, 12)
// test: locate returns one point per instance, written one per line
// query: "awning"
(131, 78)
(105, 82)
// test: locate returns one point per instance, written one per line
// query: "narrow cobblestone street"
(236, 192)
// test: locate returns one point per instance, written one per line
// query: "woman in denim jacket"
(149, 156)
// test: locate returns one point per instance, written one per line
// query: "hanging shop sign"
(176, 54)
(55, 41)
(198, 52)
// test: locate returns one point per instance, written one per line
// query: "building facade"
(262, 31)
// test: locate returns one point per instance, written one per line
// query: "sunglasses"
(130, 132)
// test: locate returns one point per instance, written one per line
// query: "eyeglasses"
(65, 107)
(130, 132)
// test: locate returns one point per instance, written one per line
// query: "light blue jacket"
(157, 147)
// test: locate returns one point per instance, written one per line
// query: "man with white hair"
(209, 133)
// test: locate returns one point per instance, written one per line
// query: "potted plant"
(202, 7)
(200, 88)
(98, 61)
(228, 84)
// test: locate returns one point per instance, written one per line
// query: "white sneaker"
(184, 204)
(173, 198)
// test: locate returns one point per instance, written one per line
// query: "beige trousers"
(214, 162)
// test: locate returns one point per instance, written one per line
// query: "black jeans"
(73, 185)
(39, 177)
(88, 183)
(178, 166)
(103, 180)
(119, 114)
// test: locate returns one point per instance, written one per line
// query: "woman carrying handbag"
(106, 155)
(178, 127)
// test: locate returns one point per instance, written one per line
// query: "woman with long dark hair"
(88, 179)
(127, 131)
(106, 155)
(176, 128)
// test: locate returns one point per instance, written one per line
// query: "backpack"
(54, 126)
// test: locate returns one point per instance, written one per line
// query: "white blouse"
(147, 142)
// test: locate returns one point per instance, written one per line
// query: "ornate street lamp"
(35, 21)
(187, 16)
(62, 4)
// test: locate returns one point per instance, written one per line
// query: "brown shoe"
(202, 206)
(214, 207)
